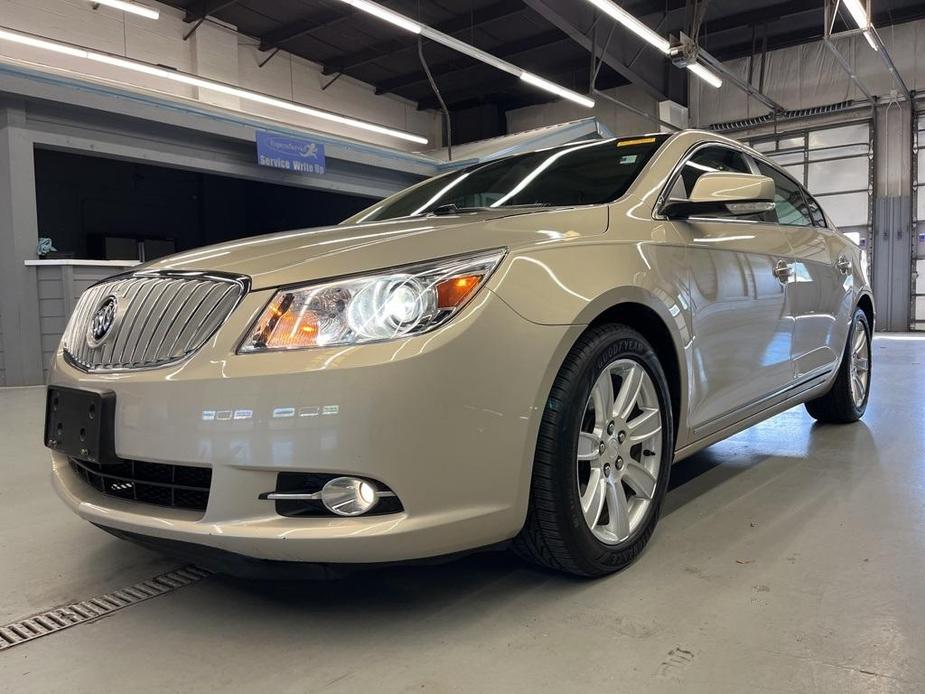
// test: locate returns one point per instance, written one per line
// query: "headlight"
(371, 308)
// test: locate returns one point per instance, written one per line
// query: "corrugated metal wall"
(918, 306)
(808, 75)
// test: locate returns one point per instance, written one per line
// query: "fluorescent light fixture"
(130, 7)
(660, 42)
(630, 22)
(34, 42)
(858, 13)
(704, 74)
(386, 14)
(202, 83)
(414, 27)
(554, 88)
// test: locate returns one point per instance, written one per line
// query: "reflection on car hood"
(309, 254)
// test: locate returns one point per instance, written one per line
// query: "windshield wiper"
(452, 208)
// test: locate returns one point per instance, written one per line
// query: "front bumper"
(447, 420)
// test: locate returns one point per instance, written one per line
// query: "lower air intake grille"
(177, 486)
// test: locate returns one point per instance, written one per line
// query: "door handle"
(843, 264)
(783, 271)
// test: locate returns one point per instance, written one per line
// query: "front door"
(815, 289)
(742, 329)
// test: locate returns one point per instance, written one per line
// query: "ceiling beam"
(459, 23)
(454, 67)
(202, 9)
(574, 19)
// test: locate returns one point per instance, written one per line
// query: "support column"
(19, 301)
(893, 237)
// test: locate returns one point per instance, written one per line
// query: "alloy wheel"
(619, 451)
(860, 363)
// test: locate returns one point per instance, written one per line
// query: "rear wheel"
(603, 456)
(847, 400)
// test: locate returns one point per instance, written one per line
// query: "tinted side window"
(790, 207)
(706, 160)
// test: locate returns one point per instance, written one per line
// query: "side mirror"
(724, 192)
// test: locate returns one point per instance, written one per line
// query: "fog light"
(349, 496)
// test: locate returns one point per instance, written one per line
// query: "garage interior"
(789, 558)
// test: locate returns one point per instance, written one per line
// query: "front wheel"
(847, 400)
(603, 455)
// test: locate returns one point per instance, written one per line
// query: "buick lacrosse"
(511, 353)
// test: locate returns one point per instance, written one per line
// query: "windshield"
(584, 173)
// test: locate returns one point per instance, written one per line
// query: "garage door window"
(790, 207)
(834, 164)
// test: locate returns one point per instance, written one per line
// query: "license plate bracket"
(80, 424)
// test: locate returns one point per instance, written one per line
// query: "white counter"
(79, 262)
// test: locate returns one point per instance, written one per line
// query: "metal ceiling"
(550, 37)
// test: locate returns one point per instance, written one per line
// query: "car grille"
(159, 318)
(177, 486)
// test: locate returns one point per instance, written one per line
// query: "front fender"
(575, 285)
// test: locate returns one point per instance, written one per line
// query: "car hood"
(310, 254)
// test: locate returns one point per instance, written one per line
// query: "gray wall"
(2, 365)
(19, 320)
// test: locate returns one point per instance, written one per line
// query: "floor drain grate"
(54, 620)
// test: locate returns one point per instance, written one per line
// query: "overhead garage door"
(918, 288)
(835, 164)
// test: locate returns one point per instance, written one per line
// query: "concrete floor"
(789, 559)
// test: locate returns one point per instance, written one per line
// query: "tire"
(839, 405)
(556, 533)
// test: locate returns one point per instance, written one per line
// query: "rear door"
(814, 287)
(742, 329)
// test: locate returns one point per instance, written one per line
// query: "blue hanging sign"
(289, 153)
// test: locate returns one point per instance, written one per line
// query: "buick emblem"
(101, 324)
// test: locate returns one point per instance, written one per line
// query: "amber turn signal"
(454, 291)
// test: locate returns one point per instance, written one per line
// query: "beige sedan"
(515, 352)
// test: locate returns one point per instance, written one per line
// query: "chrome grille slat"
(120, 338)
(106, 351)
(165, 294)
(204, 323)
(177, 327)
(182, 295)
(131, 334)
(158, 294)
(162, 318)
(202, 312)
